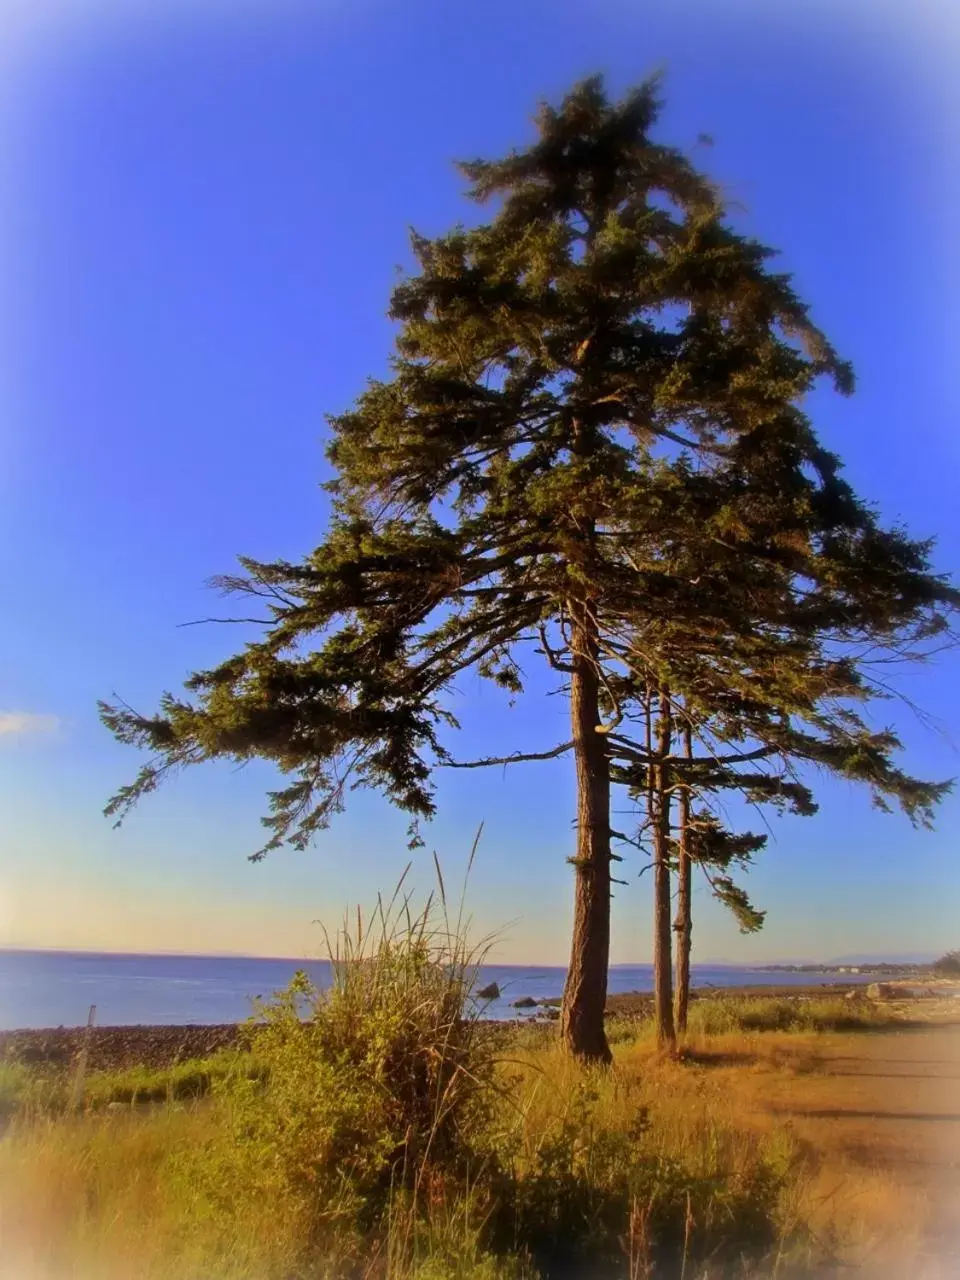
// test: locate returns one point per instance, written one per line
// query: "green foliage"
(713, 1015)
(735, 899)
(590, 448)
(192, 1078)
(368, 1092)
(44, 1092)
(32, 1092)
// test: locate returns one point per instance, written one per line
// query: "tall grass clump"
(373, 1094)
(15, 1086)
(28, 1092)
(632, 1172)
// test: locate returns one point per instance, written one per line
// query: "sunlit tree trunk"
(585, 993)
(662, 940)
(683, 924)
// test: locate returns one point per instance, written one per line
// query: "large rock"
(898, 991)
(525, 1002)
(490, 992)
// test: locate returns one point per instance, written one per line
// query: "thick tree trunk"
(662, 930)
(683, 925)
(585, 992)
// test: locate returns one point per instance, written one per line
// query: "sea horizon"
(47, 988)
(258, 955)
(874, 958)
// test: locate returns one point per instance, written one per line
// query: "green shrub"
(369, 1094)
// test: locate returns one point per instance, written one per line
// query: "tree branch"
(513, 759)
(199, 622)
(552, 654)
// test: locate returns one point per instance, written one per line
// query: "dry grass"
(87, 1197)
(93, 1197)
(873, 1122)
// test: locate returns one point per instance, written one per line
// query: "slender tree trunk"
(662, 939)
(683, 925)
(585, 993)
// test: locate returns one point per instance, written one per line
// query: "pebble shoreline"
(115, 1048)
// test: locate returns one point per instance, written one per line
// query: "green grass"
(49, 1093)
(192, 1078)
(720, 1015)
(726, 1014)
(16, 1084)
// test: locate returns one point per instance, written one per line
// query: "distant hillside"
(884, 957)
(860, 957)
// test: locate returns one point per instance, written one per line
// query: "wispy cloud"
(16, 722)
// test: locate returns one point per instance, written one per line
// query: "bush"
(371, 1095)
(948, 965)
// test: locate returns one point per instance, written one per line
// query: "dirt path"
(886, 1097)
(884, 1106)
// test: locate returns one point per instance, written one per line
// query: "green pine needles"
(592, 451)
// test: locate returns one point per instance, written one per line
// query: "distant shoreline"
(887, 967)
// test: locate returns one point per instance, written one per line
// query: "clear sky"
(202, 221)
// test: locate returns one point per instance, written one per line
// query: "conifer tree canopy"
(591, 447)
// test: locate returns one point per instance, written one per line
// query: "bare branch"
(517, 757)
(200, 622)
(552, 655)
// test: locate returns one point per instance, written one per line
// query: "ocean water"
(56, 988)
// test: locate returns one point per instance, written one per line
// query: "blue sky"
(204, 219)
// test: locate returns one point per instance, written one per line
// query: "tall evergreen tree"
(601, 368)
(767, 661)
(702, 841)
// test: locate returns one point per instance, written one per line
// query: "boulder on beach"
(898, 991)
(525, 1002)
(489, 992)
